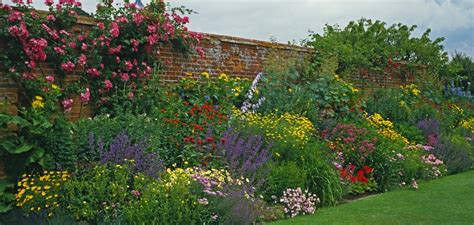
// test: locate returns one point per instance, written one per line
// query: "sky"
(291, 20)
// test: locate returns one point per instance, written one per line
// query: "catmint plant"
(122, 150)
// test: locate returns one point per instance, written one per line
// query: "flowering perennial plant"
(435, 166)
(279, 127)
(298, 202)
(385, 128)
(40, 192)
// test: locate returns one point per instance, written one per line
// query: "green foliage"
(314, 94)
(171, 200)
(371, 44)
(465, 73)
(411, 132)
(283, 176)
(322, 178)
(99, 193)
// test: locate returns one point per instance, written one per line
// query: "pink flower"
(152, 39)
(49, 79)
(86, 96)
(114, 29)
(28, 76)
(82, 60)
(130, 95)
(93, 72)
(151, 29)
(124, 76)
(135, 44)
(49, 2)
(67, 104)
(18, 1)
(128, 65)
(72, 45)
(84, 46)
(115, 50)
(68, 66)
(122, 19)
(138, 18)
(51, 18)
(59, 50)
(414, 184)
(15, 16)
(135, 193)
(108, 85)
(101, 25)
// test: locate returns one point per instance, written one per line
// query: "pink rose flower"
(114, 29)
(67, 104)
(49, 79)
(82, 60)
(130, 95)
(49, 2)
(86, 96)
(93, 72)
(124, 76)
(108, 85)
(68, 66)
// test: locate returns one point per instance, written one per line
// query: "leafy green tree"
(365, 44)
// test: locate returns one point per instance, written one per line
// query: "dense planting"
(211, 148)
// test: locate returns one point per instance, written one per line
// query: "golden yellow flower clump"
(385, 127)
(468, 124)
(38, 102)
(410, 89)
(281, 127)
(40, 192)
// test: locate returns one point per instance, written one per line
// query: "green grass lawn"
(449, 200)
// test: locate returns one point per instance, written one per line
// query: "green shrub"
(283, 176)
(100, 193)
(322, 177)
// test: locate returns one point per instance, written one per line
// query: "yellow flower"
(54, 86)
(205, 75)
(224, 77)
(38, 102)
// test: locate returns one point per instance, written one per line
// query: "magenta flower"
(86, 96)
(15, 16)
(138, 18)
(101, 25)
(82, 60)
(68, 66)
(108, 85)
(59, 50)
(49, 79)
(124, 76)
(49, 2)
(93, 72)
(128, 65)
(67, 104)
(114, 29)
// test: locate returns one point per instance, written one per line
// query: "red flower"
(367, 169)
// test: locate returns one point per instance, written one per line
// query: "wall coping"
(89, 21)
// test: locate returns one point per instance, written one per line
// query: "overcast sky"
(288, 20)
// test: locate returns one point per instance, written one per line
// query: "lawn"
(449, 200)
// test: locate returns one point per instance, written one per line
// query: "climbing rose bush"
(114, 61)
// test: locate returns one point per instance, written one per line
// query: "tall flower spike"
(139, 4)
